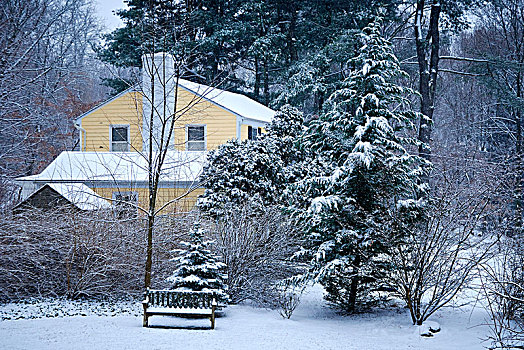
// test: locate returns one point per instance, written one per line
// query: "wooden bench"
(180, 304)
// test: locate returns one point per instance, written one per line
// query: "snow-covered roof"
(119, 167)
(80, 195)
(77, 194)
(236, 103)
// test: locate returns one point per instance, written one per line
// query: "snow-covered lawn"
(313, 326)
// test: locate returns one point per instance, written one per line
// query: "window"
(119, 138)
(253, 133)
(196, 137)
(125, 202)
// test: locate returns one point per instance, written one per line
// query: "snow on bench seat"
(179, 303)
(160, 310)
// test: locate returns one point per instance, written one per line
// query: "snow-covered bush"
(68, 253)
(63, 253)
(503, 289)
(289, 293)
(61, 307)
(253, 169)
(439, 257)
(198, 268)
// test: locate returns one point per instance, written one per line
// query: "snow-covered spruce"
(348, 208)
(198, 269)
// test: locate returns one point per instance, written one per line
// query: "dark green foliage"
(252, 46)
(198, 269)
(349, 208)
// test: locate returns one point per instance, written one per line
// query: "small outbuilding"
(63, 195)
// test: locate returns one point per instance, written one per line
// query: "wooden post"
(213, 307)
(145, 303)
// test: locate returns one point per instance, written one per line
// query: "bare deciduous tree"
(440, 257)
(256, 244)
(46, 77)
(502, 285)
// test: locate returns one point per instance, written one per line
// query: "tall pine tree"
(364, 175)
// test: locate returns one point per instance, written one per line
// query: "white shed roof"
(119, 167)
(80, 195)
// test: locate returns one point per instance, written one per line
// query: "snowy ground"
(313, 326)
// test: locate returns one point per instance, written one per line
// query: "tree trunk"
(355, 280)
(519, 172)
(257, 80)
(266, 82)
(151, 216)
(149, 258)
(428, 72)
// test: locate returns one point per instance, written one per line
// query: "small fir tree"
(198, 269)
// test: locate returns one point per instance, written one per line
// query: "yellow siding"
(220, 124)
(243, 131)
(164, 196)
(125, 110)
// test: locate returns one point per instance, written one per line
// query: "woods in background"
(48, 75)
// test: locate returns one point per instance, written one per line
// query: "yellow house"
(164, 111)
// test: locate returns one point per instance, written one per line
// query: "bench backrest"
(180, 299)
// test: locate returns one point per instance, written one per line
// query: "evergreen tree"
(249, 46)
(257, 170)
(364, 175)
(205, 35)
(312, 80)
(198, 269)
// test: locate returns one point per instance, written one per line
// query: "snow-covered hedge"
(41, 308)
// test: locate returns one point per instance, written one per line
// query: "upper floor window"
(253, 133)
(196, 137)
(119, 138)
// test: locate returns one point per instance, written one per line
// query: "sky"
(105, 10)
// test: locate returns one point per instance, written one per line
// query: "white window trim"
(187, 136)
(111, 135)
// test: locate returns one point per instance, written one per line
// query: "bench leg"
(145, 320)
(213, 317)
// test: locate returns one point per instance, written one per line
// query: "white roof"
(80, 195)
(118, 167)
(236, 103)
